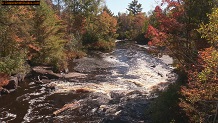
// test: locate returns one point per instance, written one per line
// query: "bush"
(13, 64)
(89, 37)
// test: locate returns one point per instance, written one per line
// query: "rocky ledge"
(40, 74)
(45, 74)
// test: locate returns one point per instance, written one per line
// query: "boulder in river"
(5, 91)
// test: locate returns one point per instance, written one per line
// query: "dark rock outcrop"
(51, 86)
(4, 91)
(13, 83)
(10, 84)
(49, 74)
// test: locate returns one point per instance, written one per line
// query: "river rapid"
(116, 88)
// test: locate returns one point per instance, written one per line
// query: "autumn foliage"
(201, 93)
(101, 34)
(193, 45)
(52, 34)
(4, 79)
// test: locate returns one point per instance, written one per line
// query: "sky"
(120, 5)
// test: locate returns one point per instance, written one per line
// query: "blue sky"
(121, 5)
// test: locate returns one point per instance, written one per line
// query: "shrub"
(13, 64)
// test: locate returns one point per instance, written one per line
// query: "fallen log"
(73, 105)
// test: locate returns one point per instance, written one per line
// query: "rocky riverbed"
(102, 87)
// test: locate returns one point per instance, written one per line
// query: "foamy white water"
(130, 70)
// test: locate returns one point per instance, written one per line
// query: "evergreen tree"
(134, 7)
(49, 37)
(14, 37)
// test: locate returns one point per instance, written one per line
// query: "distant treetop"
(134, 7)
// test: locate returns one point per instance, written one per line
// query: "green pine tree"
(14, 35)
(49, 37)
(134, 7)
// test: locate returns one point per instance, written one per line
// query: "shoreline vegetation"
(52, 34)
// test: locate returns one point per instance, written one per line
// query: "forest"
(58, 31)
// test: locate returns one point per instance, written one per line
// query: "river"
(116, 88)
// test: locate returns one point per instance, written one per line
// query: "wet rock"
(90, 64)
(49, 74)
(44, 77)
(108, 109)
(73, 75)
(51, 86)
(12, 90)
(12, 84)
(20, 77)
(43, 81)
(44, 71)
(82, 90)
(100, 98)
(5, 91)
(136, 92)
(116, 94)
(46, 80)
(73, 80)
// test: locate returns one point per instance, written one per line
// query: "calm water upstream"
(115, 90)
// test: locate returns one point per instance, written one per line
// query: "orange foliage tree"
(131, 26)
(179, 29)
(101, 33)
(201, 93)
(14, 37)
